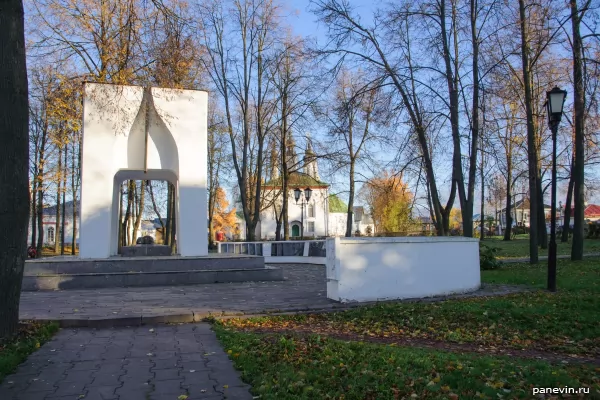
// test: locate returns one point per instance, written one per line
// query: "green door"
(295, 230)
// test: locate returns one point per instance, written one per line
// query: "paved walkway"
(143, 363)
(157, 362)
(303, 290)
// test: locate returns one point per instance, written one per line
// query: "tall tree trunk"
(531, 145)
(121, 231)
(285, 172)
(285, 206)
(482, 218)
(140, 208)
(508, 213)
(33, 210)
(130, 220)
(14, 163)
(567, 222)
(40, 185)
(40, 221)
(451, 76)
(127, 217)
(173, 221)
(64, 211)
(278, 221)
(579, 109)
(34, 186)
(211, 213)
(350, 212)
(475, 134)
(542, 230)
(58, 209)
(74, 191)
(134, 213)
(156, 210)
(167, 231)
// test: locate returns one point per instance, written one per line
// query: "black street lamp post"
(555, 100)
(297, 194)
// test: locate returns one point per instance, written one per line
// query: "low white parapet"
(372, 269)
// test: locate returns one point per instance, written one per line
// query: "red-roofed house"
(591, 212)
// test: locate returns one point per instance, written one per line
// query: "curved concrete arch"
(138, 175)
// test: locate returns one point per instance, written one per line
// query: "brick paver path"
(143, 363)
(303, 289)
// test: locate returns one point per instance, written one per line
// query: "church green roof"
(297, 179)
(337, 205)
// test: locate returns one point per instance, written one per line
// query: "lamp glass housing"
(555, 103)
(307, 193)
(297, 193)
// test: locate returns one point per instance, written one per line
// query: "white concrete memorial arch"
(132, 132)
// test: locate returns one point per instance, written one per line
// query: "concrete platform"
(303, 290)
(68, 272)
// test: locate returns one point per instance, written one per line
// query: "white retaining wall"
(371, 269)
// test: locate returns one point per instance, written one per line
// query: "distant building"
(147, 228)
(49, 224)
(324, 214)
(520, 214)
(427, 225)
(591, 213)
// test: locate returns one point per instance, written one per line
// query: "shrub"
(487, 257)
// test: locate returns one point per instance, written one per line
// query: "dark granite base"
(57, 273)
(75, 265)
(141, 279)
(146, 250)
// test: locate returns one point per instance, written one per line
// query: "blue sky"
(304, 22)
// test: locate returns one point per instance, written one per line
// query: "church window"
(311, 210)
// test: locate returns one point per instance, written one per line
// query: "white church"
(322, 215)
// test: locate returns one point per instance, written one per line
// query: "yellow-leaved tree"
(223, 220)
(456, 221)
(390, 204)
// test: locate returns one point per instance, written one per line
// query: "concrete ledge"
(76, 265)
(137, 279)
(147, 250)
(295, 260)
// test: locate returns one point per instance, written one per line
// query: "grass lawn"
(519, 247)
(281, 364)
(30, 337)
(289, 367)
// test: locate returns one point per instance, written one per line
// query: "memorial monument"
(132, 132)
(138, 133)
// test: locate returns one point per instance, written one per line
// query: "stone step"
(145, 279)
